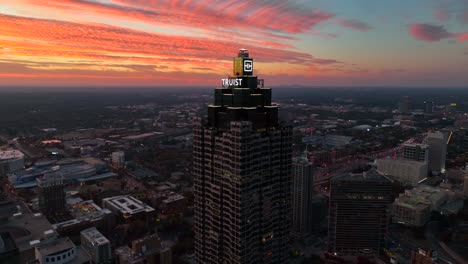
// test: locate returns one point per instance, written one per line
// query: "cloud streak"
(433, 33)
(354, 24)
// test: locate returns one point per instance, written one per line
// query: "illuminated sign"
(231, 82)
(248, 65)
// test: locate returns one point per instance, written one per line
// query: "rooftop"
(54, 246)
(93, 235)
(369, 175)
(10, 154)
(128, 204)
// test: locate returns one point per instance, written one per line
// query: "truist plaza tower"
(242, 172)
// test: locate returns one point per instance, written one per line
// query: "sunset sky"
(417, 43)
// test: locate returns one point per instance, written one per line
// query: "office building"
(404, 105)
(51, 195)
(242, 174)
(96, 245)
(429, 107)
(408, 172)
(127, 209)
(302, 196)
(417, 152)
(10, 161)
(358, 213)
(118, 159)
(147, 250)
(414, 207)
(437, 142)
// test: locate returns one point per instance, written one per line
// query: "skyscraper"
(429, 107)
(51, 195)
(437, 142)
(404, 105)
(358, 213)
(242, 173)
(302, 196)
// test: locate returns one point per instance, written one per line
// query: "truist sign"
(231, 82)
(248, 65)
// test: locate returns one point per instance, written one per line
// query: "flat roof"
(57, 245)
(128, 204)
(11, 154)
(93, 235)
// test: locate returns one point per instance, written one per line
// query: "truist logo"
(248, 65)
(231, 82)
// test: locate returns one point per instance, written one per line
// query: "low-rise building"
(128, 208)
(409, 172)
(414, 207)
(148, 249)
(60, 251)
(10, 161)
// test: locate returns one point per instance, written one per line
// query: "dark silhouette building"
(242, 173)
(358, 213)
(51, 196)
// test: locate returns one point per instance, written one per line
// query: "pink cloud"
(432, 33)
(428, 32)
(462, 36)
(354, 24)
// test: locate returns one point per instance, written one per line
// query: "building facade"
(96, 245)
(242, 174)
(10, 161)
(358, 213)
(408, 172)
(437, 142)
(417, 152)
(302, 196)
(51, 195)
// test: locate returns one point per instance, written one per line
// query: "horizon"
(69, 43)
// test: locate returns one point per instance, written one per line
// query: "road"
(431, 230)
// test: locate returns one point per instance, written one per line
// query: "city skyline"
(181, 43)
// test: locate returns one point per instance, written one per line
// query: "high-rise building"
(404, 105)
(118, 159)
(429, 107)
(417, 152)
(437, 142)
(51, 195)
(358, 213)
(96, 245)
(302, 196)
(242, 172)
